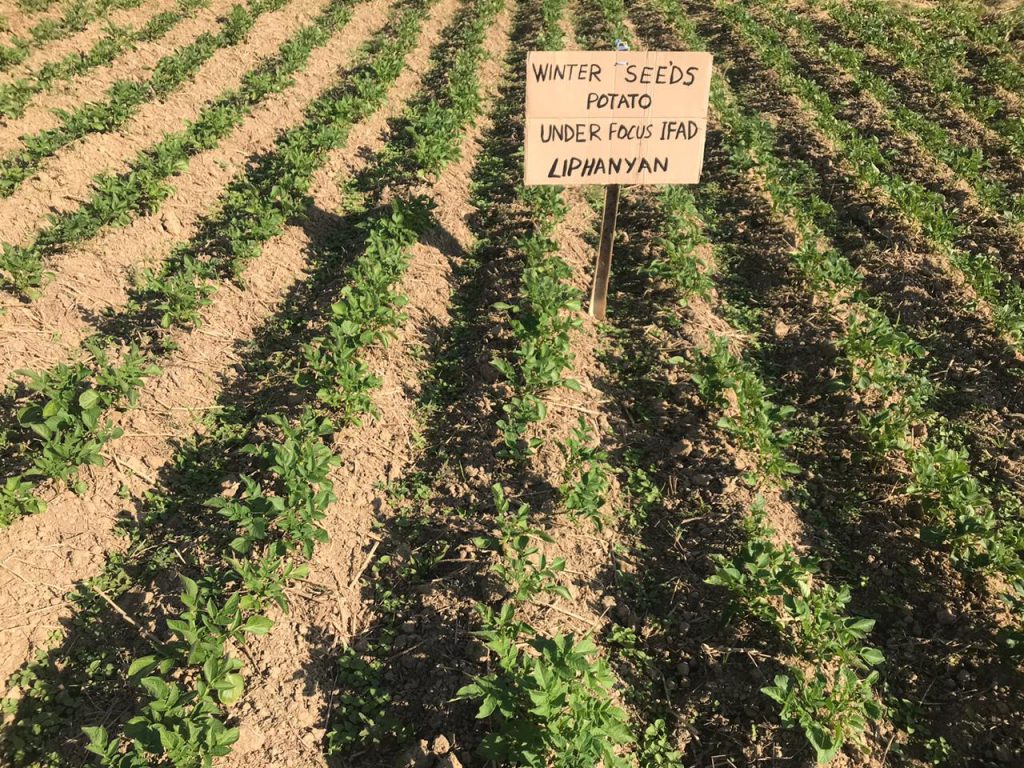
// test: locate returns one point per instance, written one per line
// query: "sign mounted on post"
(616, 117)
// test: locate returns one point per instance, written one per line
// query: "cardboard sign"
(616, 117)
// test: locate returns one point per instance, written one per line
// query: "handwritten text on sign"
(616, 117)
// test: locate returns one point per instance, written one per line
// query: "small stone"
(683, 669)
(170, 223)
(441, 745)
(408, 627)
(229, 488)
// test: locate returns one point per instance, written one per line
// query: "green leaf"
(142, 665)
(88, 399)
(872, 656)
(257, 625)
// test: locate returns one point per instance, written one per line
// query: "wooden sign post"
(615, 117)
(603, 267)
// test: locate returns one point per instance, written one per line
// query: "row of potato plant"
(977, 523)
(875, 170)
(934, 56)
(541, 321)
(65, 424)
(76, 16)
(969, 163)
(832, 702)
(255, 207)
(192, 681)
(116, 199)
(125, 97)
(549, 700)
(16, 95)
(60, 427)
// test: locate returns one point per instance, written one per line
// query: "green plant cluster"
(15, 96)
(969, 163)
(938, 57)
(544, 314)
(586, 478)
(875, 170)
(176, 297)
(553, 704)
(34, 6)
(541, 321)
(275, 514)
(832, 698)
(257, 204)
(990, 33)
(64, 425)
(833, 708)
(677, 261)
(436, 128)
(125, 97)
(980, 526)
(76, 16)
(190, 681)
(363, 714)
(116, 199)
(366, 312)
(276, 518)
(729, 384)
(277, 189)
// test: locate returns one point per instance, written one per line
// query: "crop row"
(929, 52)
(968, 163)
(76, 16)
(875, 170)
(274, 517)
(15, 96)
(116, 199)
(60, 427)
(125, 97)
(979, 525)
